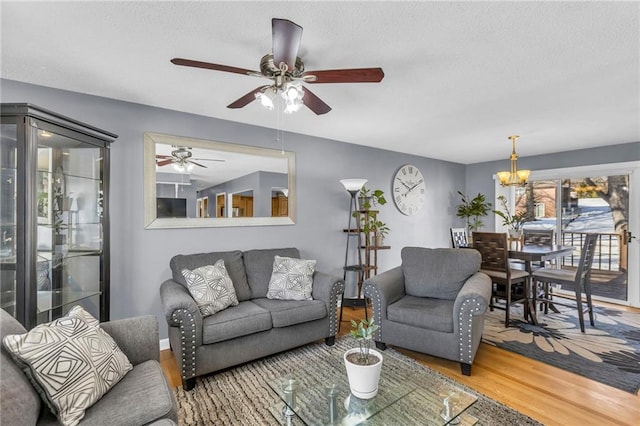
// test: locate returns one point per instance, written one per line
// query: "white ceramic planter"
(363, 379)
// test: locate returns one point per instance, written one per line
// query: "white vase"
(363, 379)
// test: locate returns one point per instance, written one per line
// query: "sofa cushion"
(140, 398)
(439, 273)
(291, 279)
(246, 318)
(70, 362)
(19, 401)
(290, 312)
(211, 288)
(422, 312)
(232, 260)
(259, 266)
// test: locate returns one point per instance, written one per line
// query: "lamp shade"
(353, 185)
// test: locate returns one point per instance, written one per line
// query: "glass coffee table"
(318, 394)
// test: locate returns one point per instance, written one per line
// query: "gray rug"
(241, 396)
(608, 353)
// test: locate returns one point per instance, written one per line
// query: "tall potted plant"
(472, 210)
(363, 364)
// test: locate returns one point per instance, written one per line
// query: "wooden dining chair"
(459, 237)
(580, 280)
(508, 284)
(538, 237)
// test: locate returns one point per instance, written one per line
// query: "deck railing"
(608, 250)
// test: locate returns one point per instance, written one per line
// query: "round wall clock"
(408, 189)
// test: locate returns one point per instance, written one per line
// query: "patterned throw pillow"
(291, 279)
(211, 288)
(70, 362)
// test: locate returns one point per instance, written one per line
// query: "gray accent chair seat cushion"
(257, 327)
(433, 303)
(142, 397)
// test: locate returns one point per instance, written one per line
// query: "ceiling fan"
(286, 71)
(181, 157)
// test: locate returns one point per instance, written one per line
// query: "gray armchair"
(433, 303)
(142, 397)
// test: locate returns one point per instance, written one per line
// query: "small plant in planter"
(363, 364)
(363, 333)
(513, 221)
(382, 230)
(368, 198)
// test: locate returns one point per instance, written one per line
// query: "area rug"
(608, 353)
(241, 396)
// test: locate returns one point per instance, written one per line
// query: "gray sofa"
(142, 397)
(433, 303)
(253, 329)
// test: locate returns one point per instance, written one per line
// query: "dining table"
(530, 253)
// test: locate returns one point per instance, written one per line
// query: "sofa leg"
(381, 345)
(329, 341)
(189, 384)
(465, 368)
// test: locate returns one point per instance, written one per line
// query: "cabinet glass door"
(8, 214)
(69, 225)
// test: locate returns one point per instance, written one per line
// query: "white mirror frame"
(151, 221)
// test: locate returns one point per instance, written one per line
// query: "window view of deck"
(580, 206)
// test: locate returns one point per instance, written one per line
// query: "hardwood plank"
(548, 394)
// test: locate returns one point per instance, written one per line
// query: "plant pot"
(379, 240)
(364, 203)
(515, 234)
(363, 379)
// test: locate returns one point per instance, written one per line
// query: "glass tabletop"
(319, 395)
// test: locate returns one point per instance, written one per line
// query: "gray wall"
(140, 258)
(479, 176)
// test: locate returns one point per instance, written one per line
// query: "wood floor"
(545, 393)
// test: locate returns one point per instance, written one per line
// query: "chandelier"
(514, 176)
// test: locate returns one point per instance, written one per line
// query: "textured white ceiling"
(459, 76)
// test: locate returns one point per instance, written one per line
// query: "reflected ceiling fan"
(286, 71)
(181, 157)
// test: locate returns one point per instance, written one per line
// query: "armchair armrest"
(478, 289)
(137, 337)
(384, 289)
(327, 288)
(468, 317)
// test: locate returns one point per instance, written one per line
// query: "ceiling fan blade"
(353, 75)
(164, 162)
(197, 164)
(314, 103)
(209, 159)
(286, 42)
(246, 99)
(210, 66)
(163, 156)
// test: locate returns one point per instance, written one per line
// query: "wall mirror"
(190, 183)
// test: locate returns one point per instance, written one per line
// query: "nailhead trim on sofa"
(187, 328)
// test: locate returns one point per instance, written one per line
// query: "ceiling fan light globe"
(264, 100)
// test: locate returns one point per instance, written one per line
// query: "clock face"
(409, 189)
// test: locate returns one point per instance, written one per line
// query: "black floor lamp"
(353, 186)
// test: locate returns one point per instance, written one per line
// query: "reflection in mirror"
(198, 183)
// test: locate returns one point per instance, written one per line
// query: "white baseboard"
(164, 344)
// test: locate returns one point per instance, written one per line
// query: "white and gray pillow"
(291, 279)
(211, 288)
(71, 362)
